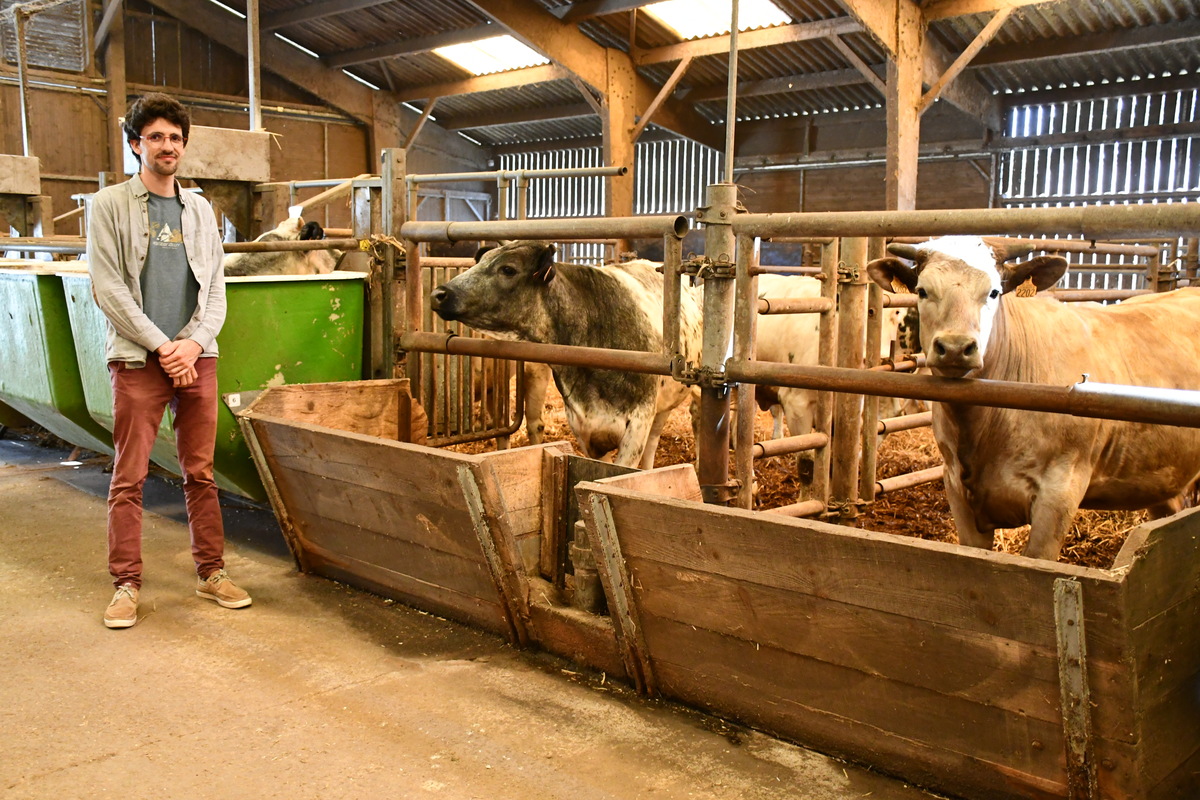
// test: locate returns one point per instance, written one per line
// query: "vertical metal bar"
(672, 259)
(731, 90)
(253, 65)
(1073, 684)
(712, 443)
(818, 487)
(870, 418)
(23, 81)
(847, 408)
(745, 331)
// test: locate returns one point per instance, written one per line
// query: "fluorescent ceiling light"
(692, 19)
(494, 54)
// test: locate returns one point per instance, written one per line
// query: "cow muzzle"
(954, 354)
(443, 301)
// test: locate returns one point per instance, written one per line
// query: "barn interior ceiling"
(828, 60)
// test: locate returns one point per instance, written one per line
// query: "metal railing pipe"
(558, 228)
(518, 174)
(1088, 399)
(789, 444)
(559, 354)
(909, 479)
(805, 508)
(794, 305)
(907, 422)
(290, 245)
(1089, 222)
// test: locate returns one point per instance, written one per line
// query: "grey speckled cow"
(518, 292)
(296, 262)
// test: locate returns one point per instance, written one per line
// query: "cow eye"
(922, 294)
(993, 294)
(508, 271)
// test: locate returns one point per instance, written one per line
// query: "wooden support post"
(114, 82)
(394, 214)
(847, 408)
(617, 124)
(870, 418)
(903, 109)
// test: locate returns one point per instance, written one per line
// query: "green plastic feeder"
(279, 329)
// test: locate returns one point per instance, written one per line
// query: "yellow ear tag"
(899, 287)
(1026, 289)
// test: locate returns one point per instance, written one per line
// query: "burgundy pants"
(139, 398)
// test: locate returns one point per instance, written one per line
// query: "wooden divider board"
(933, 661)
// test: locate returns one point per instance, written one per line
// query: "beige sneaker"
(122, 611)
(218, 587)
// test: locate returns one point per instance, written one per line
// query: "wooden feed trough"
(944, 665)
(455, 534)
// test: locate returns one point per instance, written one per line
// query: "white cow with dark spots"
(1006, 468)
(517, 291)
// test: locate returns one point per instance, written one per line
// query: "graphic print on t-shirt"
(162, 235)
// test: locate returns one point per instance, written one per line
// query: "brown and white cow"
(517, 291)
(1006, 468)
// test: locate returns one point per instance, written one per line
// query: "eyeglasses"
(157, 139)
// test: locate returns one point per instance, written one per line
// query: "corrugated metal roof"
(1032, 52)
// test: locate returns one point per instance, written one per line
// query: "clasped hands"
(178, 360)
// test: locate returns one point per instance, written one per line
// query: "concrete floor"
(318, 690)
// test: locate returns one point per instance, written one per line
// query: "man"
(154, 254)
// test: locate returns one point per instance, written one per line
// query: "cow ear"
(310, 231)
(889, 273)
(1044, 270)
(544, 257)
(482, 251)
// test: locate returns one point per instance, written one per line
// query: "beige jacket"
(118, 239)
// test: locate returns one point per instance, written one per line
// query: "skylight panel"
(494, 54)
(693, 19)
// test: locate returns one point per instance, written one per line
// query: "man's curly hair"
(150, 107)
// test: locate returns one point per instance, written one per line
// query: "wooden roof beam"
(318, 9)
(587, 9)
(517, 117)
(964, 58)
(747, 40)
(565, 45)
(485, 83)
(783, 85)
(1152, 35)
(404, 47)
(944, 9)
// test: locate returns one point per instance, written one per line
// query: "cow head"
(501, 292)
(959, 281)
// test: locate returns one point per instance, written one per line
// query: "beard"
(159, 167)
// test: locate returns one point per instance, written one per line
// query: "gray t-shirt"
(170, 291)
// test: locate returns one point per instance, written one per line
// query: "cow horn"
(1006, 250)
(908, 251)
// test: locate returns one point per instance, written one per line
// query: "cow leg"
(656, 428)
(1053, 510)
(969, 533)
(537, 381)
(776, 421)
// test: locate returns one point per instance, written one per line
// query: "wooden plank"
(495, 540)
(610, 564)
(366, 461)
(401, 517)
(553, 559)
(519, 472)
(584, 638)
(976, 751)
(286, 525)
(1171, 735)
(980, 668)
(462, 608)
(369, 408)
(863, 713)
(677, 481)
(1076, 694)
(435, 570)
(1163, 564)
(933, 581)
